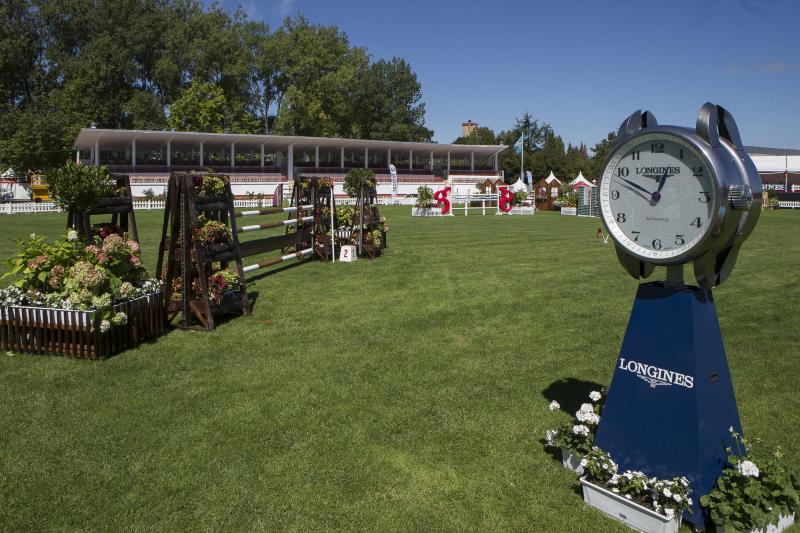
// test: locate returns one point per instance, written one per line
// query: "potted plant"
(353, 179)
(210, 188)
(644, 503)
(757, 497)
(424, 207)
(213, 235)
(575, 438)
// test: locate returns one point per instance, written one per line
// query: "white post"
(78, 156)
(262, 156)
(133, 153)
(366, 157)
(472, 161)
(233, 154)
(389, 158)
(431, 161)
(201, 154)
(496, 165)
(411, 160)
(333, 231)
(96, 154)
(290, 162)
(169, 153)
(316, 156)
(448, 164)
(342, 158)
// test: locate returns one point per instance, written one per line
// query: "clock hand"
(637, 186)
(663, 181)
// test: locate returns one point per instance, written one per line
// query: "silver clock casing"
(716, 140)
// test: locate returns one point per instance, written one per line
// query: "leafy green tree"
(480, 135)
(201, 107)
(599, 153)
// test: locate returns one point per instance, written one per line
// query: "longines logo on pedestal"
(656, 376)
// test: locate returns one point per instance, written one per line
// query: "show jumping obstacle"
(189, 262)
(499, 202)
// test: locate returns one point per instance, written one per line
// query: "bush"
(352, 181)
(77, 187)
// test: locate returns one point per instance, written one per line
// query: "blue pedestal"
(671, 399)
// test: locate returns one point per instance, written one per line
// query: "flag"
(518, 144)
(529, 176)
(393, 173)
(277, 196)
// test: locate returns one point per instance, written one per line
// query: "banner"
(393, 172)
(277, 196)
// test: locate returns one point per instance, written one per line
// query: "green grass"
(404, 394)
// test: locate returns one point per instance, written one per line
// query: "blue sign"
(671, 402)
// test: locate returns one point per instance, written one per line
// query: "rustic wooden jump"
(189, 262)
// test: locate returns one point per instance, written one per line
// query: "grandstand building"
(256, 164)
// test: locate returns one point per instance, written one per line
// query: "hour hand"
(637, 186)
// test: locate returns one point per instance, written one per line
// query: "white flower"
(32, 235)
(689, 501)
(584, 462)
(555, 406)
(581, 430)
(628, 496)
(72, 235)
(550, 437)
(615, 490)
(668, 493)
(587, 415)
(677, 497)
(748, 468)
(595, 396)
(730, 429)
(669, 512)
(614, 479)
(105, 325)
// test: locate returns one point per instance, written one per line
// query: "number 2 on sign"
(442, 201)
(506, 199)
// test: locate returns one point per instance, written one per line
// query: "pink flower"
(133, 245)
(38, 261)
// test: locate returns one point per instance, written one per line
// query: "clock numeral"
(696, 222)
(623, 171)
(620, 217)
(679, 240)
(705, 198)
(697, 171)
(635, 155)
(656, 244)
(636, 233)
(680, 153)
(657, 148)
(615, 194)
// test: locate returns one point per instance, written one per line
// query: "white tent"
(580, 181)
(519, 185)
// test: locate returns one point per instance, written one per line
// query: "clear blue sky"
(582, 66)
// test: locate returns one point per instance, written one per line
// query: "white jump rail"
(287, 257)
(15, 208)
(290, 222)
(789, 204)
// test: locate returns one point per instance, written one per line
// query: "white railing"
(14, 208)
(789, 204)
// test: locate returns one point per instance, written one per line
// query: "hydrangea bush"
(752, 494)
(67, 274)
(665, 496)
(577, 435)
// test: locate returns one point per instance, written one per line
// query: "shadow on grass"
(570, 393)
(281, 268)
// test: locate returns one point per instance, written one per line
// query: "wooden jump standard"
(189, 262)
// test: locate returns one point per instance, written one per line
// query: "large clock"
(671, 195)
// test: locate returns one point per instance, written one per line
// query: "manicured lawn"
(404, 394)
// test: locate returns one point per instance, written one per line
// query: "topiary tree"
(77, 187)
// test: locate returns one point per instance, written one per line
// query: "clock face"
(657, 196)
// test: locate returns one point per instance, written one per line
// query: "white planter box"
(784, 522)
(426, 211)
(629, 513)
(571, 461)
(569, 211)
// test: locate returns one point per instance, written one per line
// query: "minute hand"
(636, 185)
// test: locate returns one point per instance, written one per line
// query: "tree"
(599, 153)
(480, 135)
(201, 107)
